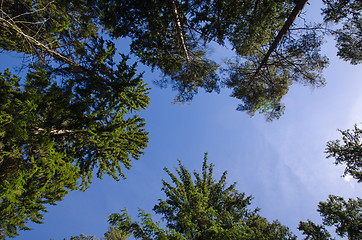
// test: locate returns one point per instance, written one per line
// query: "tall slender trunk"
(179, 29)
(293, 15)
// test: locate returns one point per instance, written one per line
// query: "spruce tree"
(73, 113)
(201, 208)
(348, 14)
(348, 152)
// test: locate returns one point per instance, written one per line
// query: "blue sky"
(282, 164)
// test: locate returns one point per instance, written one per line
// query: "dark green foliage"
(173, 43)
(201, 209)
(348, 152)
(349, 14)
(151, 25)
(198, 72)
(258, 227)
(173, 36)
(296, 60)
(28, 25)
(56, 133)
(147, 229)
(210, 206)
(111, 234)
(115, 234)
(81, 237)
(74, 113)
(313, 231)
(33, 172)
(246, 25)
(344, 215)
(52, 134)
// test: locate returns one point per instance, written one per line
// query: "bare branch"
(12, 26)
(57, 132)
(179, 29)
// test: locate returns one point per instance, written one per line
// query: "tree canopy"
(313, 231)
(344, 215)
(348, 152)
(111, 234)
(173, 36)
(348, 14)
(74, 110)
(73, 113)
(201, 208)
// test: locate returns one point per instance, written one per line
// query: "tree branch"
(293, 15)
(296, 67)
(179, 29)
(9, 24)
(57, 132)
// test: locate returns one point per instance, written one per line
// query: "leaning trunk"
(293, 15)
(179, 29)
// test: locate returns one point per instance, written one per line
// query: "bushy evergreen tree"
(75, 111)
(348, 14)
(348, 152)
(201, 208)
(111, 234)
(344, 215)
(313, 231)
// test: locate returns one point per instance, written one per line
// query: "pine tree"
(115, 234)
(173, 36)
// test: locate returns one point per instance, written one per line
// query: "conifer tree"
(201, 208)
(313, 231)
(54, 135)
(348, 152)
(344, 215)
(173, 36)
(72, 115)
(348, 14)
(111, 234)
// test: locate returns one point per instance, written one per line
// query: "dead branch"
(179, 29)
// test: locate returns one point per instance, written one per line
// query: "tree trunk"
(179, 29)
(293, 15)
